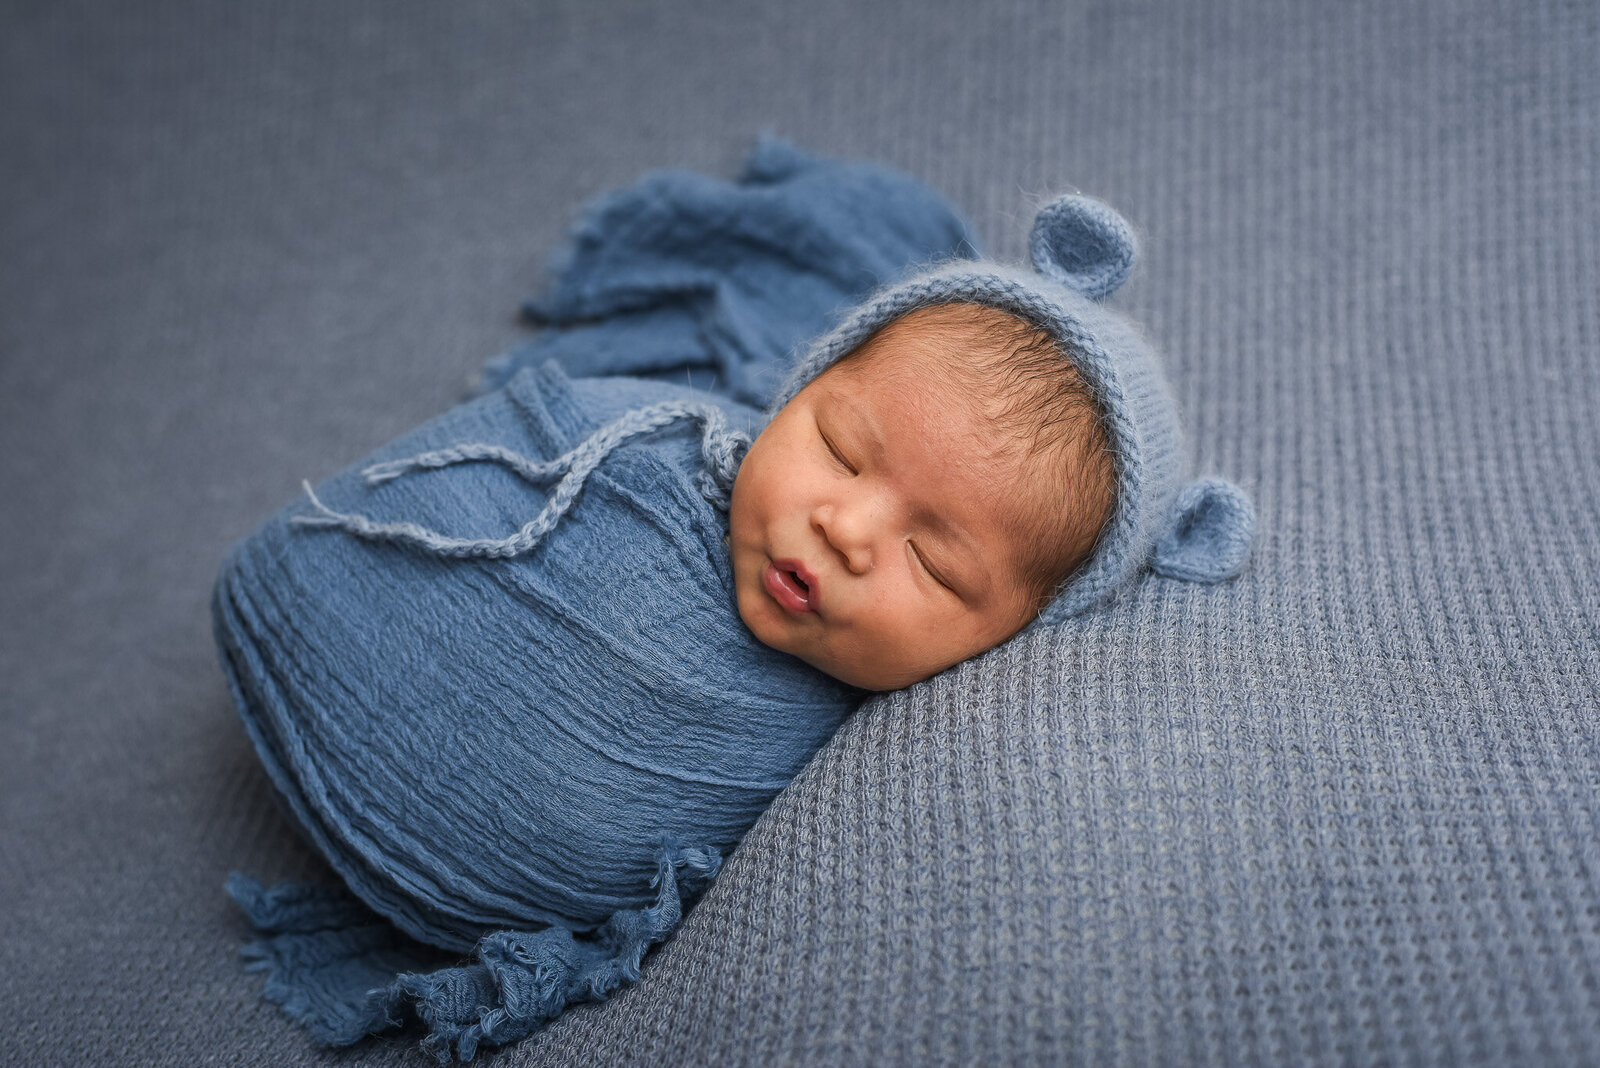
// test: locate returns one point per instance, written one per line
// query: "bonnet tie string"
(721, 450)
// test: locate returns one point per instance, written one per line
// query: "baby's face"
(866, 524)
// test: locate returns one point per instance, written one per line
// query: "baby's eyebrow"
(968, 562)
(865, 424)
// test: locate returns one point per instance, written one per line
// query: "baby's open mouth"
(786, 582)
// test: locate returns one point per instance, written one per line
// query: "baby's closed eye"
(932, 570)
(833, 449)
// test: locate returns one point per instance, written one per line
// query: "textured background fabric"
(1341, 811)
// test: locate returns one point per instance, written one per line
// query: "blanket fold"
(692, 279)
(495, 671)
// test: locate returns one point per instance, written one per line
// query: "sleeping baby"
(919, 501)
(526, 675)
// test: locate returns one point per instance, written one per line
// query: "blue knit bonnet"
(1081, 251)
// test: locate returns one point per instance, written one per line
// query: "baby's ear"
(1083, 244)
(1210, 533)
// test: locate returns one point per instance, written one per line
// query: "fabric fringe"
(345, 973)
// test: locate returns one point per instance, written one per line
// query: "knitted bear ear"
(772, 160)
(1083, 244)
(1210, 535)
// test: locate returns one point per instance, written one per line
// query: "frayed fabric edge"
(321, 950)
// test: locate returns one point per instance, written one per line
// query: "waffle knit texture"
(1340, 810)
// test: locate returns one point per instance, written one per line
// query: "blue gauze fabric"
(496, 671)
(688, 279)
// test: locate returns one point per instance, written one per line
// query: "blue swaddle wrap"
(694, 280)
(496, 670)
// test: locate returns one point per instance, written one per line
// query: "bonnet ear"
(1083, 244)
(1212, 522)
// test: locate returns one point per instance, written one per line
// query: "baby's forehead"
(938, 428)
(964, 366)
(972, 346)
(943, 391)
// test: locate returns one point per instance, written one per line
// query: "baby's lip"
(792, 585)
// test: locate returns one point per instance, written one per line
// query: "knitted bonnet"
(1081, 251)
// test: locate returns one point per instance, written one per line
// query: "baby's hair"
(1039, 404)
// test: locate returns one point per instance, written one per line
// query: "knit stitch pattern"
(1340, 810)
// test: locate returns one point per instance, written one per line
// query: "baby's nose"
(849, 534)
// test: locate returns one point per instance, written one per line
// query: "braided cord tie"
(721, 450)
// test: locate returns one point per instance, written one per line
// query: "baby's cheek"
(889, 639)
(954, 640)
(749, 603)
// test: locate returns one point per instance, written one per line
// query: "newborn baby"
(921, 500)
(519, 745)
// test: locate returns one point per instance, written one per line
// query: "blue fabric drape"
(496, 670)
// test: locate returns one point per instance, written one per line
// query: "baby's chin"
(761, 619)
(766, 622)
(879, 670)
(878, 680)
(865, 675)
